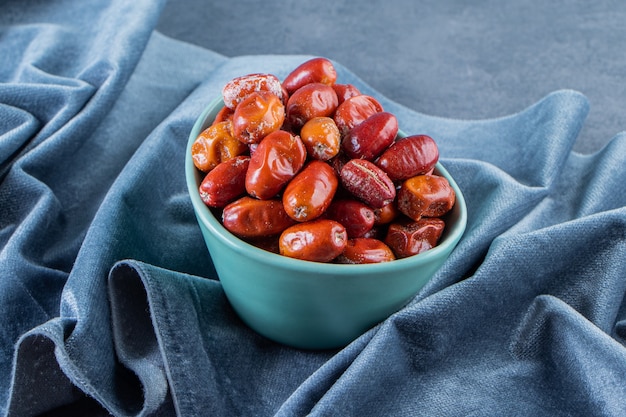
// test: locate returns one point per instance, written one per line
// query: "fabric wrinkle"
(112, 304)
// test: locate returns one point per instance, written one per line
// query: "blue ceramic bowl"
(306, 304)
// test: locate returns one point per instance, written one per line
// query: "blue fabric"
(110, 303)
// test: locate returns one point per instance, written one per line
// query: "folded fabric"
(111, 305)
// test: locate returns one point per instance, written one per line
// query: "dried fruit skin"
(310, 192)
(223, 115)
(338, 162)
(425, 196)
(248, 217)
(345, 91)
(408, 239)
(315, 170)
(315, 70)
(321, 138)
(225, 182)
(356, 216)
(268, 243)
(376, 232)
(237, 89)
(355, 110)
(215, 144)
(320, 240)
(258, 115)
(371, 137)
(275, 161)
(368, 183)
(309, 101)
(408, 157)
(364, 250)
(386, 214)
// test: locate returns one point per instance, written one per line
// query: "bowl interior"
(456, 219)
(311, 304)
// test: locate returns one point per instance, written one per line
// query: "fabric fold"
(115, 307)
(181, 326)
(135, 338)
(53, 183)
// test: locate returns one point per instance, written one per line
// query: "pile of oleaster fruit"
(315, 170)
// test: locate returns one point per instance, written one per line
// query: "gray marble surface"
(456, 59)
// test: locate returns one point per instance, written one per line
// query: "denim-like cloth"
(110, 304)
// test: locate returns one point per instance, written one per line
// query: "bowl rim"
(208, 219)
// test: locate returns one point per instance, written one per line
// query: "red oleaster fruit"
(258, 115)
(248, 217)
(275, 161)
(425, 195)
(363, 250)
(408, 157)
(412, 238)
(311, 191)
(371, 137)
(239, 88)
(368, 183)
(316, 70)
(225, 182)
(320, 240)
(309, 101)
